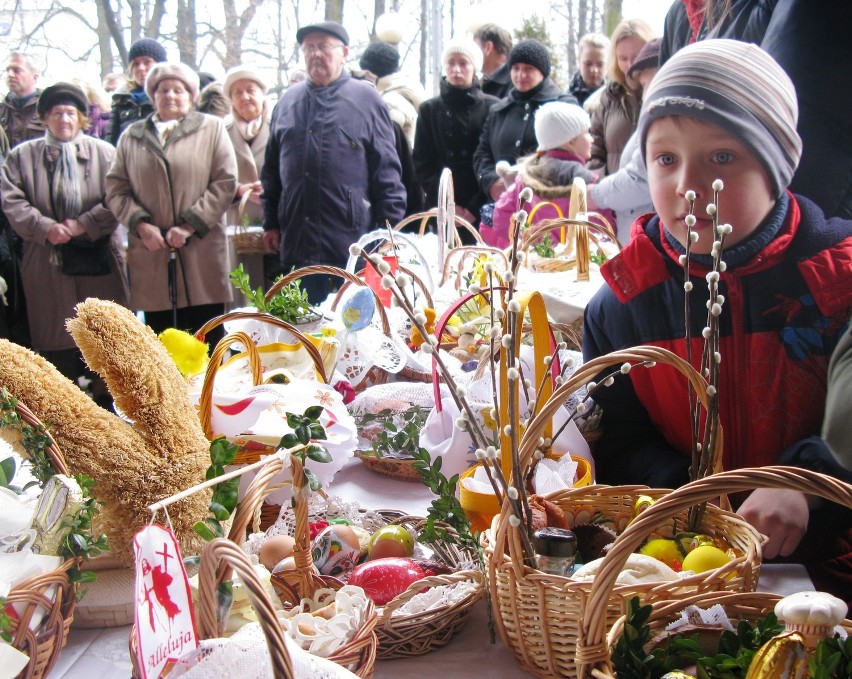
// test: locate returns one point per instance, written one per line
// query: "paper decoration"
(165, 621)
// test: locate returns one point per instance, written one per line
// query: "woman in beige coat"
(172, 180)
(53, 191)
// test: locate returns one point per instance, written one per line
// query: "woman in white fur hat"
(448, 129)
(173, 178)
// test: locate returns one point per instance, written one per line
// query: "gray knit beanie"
(530, 52)
(380, 58)
(738, 87)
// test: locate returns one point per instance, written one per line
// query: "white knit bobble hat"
(558, 122)
(466, 47)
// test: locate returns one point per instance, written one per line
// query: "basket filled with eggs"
(706, 634)
(422, 586)
(539, 609)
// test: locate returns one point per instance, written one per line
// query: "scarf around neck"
(64, 180)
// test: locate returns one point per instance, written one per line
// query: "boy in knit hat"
(724, 110)
(564, 146)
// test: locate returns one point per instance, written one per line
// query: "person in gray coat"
(331, 171)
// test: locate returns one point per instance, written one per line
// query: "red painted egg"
(383, 579)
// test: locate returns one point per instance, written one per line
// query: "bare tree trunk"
(235, 29)
(425, 36)
(379, 8)
(110, 21)
(187, 33)
(612, 15)
(582, 17)
(104, 40)
(152, 27)
(334, 10)
(573, 37)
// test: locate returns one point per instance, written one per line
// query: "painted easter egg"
(358, 309)
(391, 541)
(336, 550)
(384, 579)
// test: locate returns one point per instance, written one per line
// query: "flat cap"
(330, 27)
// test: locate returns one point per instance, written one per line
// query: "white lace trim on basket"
(436, 597)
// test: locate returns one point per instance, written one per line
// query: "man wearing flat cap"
(331, 171)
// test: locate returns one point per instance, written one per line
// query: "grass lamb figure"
(163, 452)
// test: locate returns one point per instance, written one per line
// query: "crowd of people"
(644, 121)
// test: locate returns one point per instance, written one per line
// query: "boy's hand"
(781, 515)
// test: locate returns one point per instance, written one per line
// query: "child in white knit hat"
(564, 146)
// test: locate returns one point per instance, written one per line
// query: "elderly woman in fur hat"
(173, 178)
(248, 129)
(53, 191)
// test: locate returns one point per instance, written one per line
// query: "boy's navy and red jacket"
(784, 312)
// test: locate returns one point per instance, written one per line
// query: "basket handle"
(57, 459)
(226, 551)
(241, 211)
(463, 252)
(303, 581)
(591, 645)
(313, 352)
(508, 540)
(205, 399)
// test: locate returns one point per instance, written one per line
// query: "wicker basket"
(403, 636)
(222, 551)
(392, 467)
(205, 402)
(594, 645)
(49, 593)
(538, 615)
(397, 636)
(578, 229)
(359, 655)
(247, 242)
(374, 375)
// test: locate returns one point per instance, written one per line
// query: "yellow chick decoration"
(416, 338)
(188, 353)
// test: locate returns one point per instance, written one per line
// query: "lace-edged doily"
(246, 655)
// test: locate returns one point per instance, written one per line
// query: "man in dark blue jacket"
(331, 172)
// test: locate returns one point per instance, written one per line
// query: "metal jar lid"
(558, 542)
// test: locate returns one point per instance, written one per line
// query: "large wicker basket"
(246, 454)
(50, 594)
(538, 615)
(375, 375)
(594, 644)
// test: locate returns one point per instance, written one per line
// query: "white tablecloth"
(103, 653)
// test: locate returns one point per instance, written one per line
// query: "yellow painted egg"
(705, 558)
(664, 550)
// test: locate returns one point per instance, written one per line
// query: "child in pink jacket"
(564, 146)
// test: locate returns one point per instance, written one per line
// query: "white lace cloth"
(246, 656)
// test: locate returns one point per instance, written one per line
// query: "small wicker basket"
(50, 594)
(539, 615)
(594, 646)
(359, 654)
(247, 241)
(398, 636)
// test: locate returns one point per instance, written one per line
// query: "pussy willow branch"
(694, 408)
